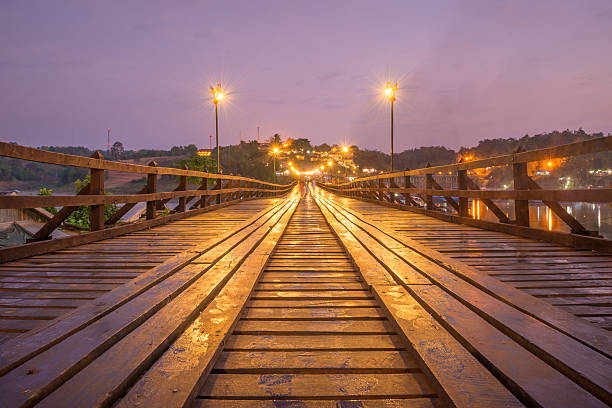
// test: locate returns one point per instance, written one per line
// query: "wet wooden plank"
(179, 373)
(319, 403)
(523, 372)
(313, 385)
(462, 379)
(311, 313)
(313, 327)
(338, 361)
(68, 356)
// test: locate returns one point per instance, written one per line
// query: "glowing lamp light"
(275, 150)
(390, 90)
(216, 93)
(329, 163)
(344, 149)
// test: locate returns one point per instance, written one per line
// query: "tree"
(117, 150)
(200, 163)
(323, 148)
(276, 139)
(302, 144)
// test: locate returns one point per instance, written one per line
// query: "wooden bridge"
(253, 294)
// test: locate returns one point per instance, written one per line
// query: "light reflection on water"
(592, 216)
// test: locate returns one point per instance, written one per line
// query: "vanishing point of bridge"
(252, 294)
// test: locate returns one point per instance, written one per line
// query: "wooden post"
(204, 198)
(151, 188)
(182, 187)
(463, 185)
(380, 191)
(429, 186)
(521, 207)
(218, 187)
(96, 215)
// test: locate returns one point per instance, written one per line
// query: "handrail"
(384, 188)
(93, 194)
(16, 151)
(572, 149)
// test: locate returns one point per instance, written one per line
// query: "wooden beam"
(408, 184)
(462, 184)
(576, 227)
(429, 186)
(448, 199)
(43, 156)
(521, 207)
(501, 216)
(151, 188)
(595, 195)
(182, 204)
(96, 215)
(597, 145)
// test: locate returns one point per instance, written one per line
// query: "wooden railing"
(214, 190)
(385, 188)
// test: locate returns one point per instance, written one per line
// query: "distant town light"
(344, 149)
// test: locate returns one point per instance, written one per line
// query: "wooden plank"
(461, 378)
(303, 303)
(37, 342)
(313, 385)
(313, 327)
(310, 313)
(337, 341)
(37, 248)
(517, 368)
(565, 322)
(167, 327)
(319, 403)
(586, 365)
(561, 238)
(116, 332)
(340, 362)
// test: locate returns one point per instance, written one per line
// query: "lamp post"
(390, 93)
(217, 96)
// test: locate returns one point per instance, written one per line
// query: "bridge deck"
(578, 281)
(40, 288)
(312, 331)
(310, 303)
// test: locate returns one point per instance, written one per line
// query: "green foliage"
(200, 163)
(247, 159)
(47, 192)
(80, 216)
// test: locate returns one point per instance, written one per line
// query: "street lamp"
(217, 96)
(390, 93)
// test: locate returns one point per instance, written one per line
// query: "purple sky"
(467, 70)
